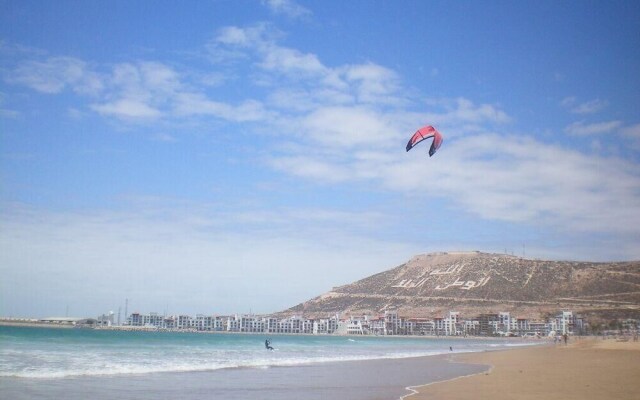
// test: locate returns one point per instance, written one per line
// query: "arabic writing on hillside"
(465, 285)
(439, 273)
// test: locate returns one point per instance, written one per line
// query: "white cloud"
(288, 8)
(568, 101)
(523, 180)
(318, 169)
(233, 43)
(349, 123)
(589, 107)
(361, 83)
(142, 90)
(632, 133)
(164, 137)
(7, 113)
(153, 253)
(57, 73)
(291, 62)
(497, 177)
(374, 83)
(187, 104)
(582, 129)
(347, 127)
(127, 108)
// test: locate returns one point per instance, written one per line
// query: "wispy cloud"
(127, 108)
(189, 104)
(632, 133)
(158, 243)
(584, 129)
(524, 180)
(54, 74)
(589, 107)
(349, 123)
(289, 8)
(142, 90)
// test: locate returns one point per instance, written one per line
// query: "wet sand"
(353, 380)
(584, 369)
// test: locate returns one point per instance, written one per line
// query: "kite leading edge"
(423, 133)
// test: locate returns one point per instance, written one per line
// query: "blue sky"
(237, 156)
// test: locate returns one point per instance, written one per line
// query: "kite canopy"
(426, 133)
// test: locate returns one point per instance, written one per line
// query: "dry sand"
(585, 369)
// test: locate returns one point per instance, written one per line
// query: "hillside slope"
(472, 282)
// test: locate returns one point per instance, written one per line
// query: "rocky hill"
(430, 285)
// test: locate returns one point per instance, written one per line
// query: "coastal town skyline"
(387, 323)
(252, 154)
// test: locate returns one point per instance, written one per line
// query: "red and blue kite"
(426, 133)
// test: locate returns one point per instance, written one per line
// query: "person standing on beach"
(565, 337)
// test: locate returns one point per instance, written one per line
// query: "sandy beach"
(584, 369)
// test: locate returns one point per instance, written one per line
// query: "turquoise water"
(56, 353)
(68, 363)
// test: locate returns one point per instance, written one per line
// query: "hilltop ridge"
(429, 285)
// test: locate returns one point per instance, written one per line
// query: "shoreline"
(379, 379)
(585, 369)
(35, 324)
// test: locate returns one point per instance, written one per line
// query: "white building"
(451, 324)
(391, 322)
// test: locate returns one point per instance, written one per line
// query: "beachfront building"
(419, 326)
(135, 319)
(106, 320)
(60, 320)
(291, 325)
(566, 322)
(487, 324)
(452, 324)
(169, 323)
(152, 319)
(520, 326)
(377, 325)
(504, 323)
(470, 327)
(271, 325)
(251, 324)
(320, 326)
(391, 322)
(233, 324)
(352, 327)
(439, 326)
(630, 325)
(538, 328)
(451, 327)
(204, 322)
(183, 322)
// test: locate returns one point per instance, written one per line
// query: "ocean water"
(69, 363)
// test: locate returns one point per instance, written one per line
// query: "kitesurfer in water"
(267, 344)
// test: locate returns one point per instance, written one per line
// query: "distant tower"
(126, 307)
(119, 309)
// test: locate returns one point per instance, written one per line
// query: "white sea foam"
(92, 366)
(96, 354)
